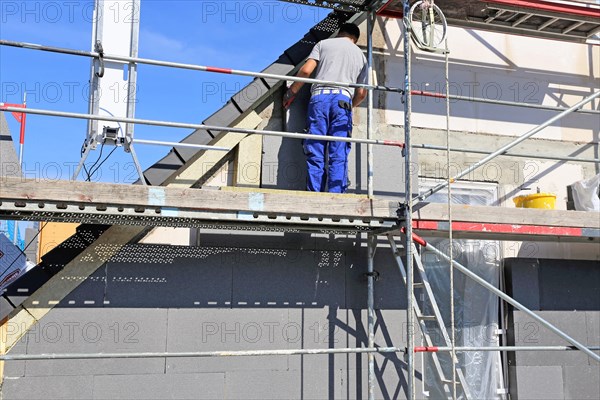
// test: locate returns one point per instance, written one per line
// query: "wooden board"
(93, 194)
(248, 162)
(279, 202)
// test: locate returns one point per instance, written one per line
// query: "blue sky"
(233, 34)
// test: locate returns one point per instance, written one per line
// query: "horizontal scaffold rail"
(107, 203)
(193, 67)
(184, 125)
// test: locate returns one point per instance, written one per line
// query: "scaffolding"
(19, 200)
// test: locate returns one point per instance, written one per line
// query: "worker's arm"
(359, 95)
(305, 72)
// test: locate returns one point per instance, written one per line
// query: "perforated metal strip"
(157, 216)
(344, 5)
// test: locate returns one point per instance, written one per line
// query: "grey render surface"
(276, 296)
(565, 293)
(290, 292)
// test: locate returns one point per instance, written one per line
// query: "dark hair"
(350, 29)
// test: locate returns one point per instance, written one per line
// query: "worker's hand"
(288, 98)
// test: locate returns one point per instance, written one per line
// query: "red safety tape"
(570, 9)
(18, 116)
(501, 228)
(22, 132)
(393, 143)
(219, 70)
(416, 238)
(383, 11)
(432, 349)
(427, 94)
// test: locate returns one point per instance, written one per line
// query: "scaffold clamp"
(100, 50)
(375, 274)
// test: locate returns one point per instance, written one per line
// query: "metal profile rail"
(193, 67)
(180, 144)
(198, 126)
(199, 354)
(435, 349)
(175, 217)
(497, 102)
(408, 204)
(520, 155)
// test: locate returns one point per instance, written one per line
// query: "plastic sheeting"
(476, 313)
(585, 194)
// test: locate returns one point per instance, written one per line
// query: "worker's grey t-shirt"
(340, 60)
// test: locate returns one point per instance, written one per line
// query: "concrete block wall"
(566, 294)
(293, 291)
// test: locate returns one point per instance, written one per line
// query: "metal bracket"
(401, 212)
(374, 274)
(100, 50)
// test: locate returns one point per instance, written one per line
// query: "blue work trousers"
(327, 117)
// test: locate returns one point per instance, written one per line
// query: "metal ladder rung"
(449, 381)
(427, 317)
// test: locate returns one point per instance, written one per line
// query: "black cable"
(103, 161)
(84, 167)
(91, 172)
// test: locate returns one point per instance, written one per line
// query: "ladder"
(436, 316)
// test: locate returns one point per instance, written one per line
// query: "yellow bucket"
(536, 200)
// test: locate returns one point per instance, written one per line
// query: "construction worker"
(330, 109)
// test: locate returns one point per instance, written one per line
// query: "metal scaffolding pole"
(193, 67)
(521, 155)
(179, 144)
(505, 148)
(371, 248)
(230, 71)
(453, 358)
(199, 354)
(370, 21)
(498, 102)
(410, 334)
(501, 348)
(506, 298)
(201, 126)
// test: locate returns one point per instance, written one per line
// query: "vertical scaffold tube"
(371, 246)
(410, 354)
(370, 23)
